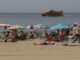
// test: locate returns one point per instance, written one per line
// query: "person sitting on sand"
(35, 34)
(40, 35)
(22, 36)
(30, 36)
(64, 34)
(14, 37)
(45, 34)
(5, 35)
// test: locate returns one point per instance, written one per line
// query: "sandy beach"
(25, 50)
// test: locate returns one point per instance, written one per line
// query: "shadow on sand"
(72, 45)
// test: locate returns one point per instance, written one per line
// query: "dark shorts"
(77, 35)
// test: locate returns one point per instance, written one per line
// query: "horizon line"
(35, 13)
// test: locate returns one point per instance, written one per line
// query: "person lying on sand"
(45, 43)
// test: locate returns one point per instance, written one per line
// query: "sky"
(38, 6)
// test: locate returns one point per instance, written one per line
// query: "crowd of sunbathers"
(72, 34)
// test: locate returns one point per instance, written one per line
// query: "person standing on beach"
(75, 33)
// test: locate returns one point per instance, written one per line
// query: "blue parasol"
(60, 26)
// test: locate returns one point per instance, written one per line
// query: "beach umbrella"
(60, 26)
(5, 25)
(30, 27)
(40, 26)
(14, 27)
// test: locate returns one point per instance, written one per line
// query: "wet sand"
(25, 50)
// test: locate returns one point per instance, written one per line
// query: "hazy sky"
(37, 6)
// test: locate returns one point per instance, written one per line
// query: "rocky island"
(52, 13)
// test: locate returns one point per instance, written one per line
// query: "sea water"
(26, 19)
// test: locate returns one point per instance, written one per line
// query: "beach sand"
(25, 50)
